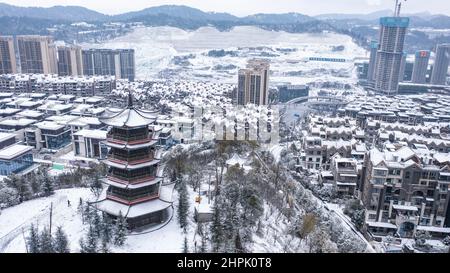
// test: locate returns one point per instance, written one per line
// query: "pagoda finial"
(130, 99)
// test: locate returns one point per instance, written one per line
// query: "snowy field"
(15, 219)
(172, 52)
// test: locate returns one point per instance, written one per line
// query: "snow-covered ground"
(15, 222)
(347, 222)
(17, 218)
(184, 54)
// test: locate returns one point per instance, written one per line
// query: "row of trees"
(45, 242)
(102, 230)
(16, 189)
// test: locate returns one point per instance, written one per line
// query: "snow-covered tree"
(107, 229)
(104, 248)
(359, 218)
(203, 245)
(35, 184)
(33, 240)
(446, 241)
(183, 205)
(8, 195)
(61, 242)
(96, 223)
(96, 185)
(89, 245)
(47, 184)
(20, 185)
(46, 243)
(120, 230)
(319, 242)
(87, 213)
(185, 245)
(420, 238)
(176, 163)
(216, 227)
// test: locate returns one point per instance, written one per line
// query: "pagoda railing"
(125, 138)
(130, 180)
(131, 159)
(131, 200)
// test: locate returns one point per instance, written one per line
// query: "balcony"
(132, 160)
(131, 200)
(124, 139)
(131, 180)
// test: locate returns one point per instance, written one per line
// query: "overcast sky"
(245, 7)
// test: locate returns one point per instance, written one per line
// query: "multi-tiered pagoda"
(134, 179)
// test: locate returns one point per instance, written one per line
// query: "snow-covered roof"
(405, 207)
(382, 225)
(5, 136)
(95, 134)
(49, 125)
(17, 122)
(115, 208)
(30, 114)
(236, 159)
(129, 117)
(434, 229)
(14, 151)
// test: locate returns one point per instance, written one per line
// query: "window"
(407, 175)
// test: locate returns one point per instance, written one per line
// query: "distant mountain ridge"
(68, 13)
(192, 17)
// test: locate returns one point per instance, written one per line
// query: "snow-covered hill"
(209, 54)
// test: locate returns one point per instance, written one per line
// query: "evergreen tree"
(20, 185)
(8, 195)
(46, 242)
(80, 209)
(87, 213)
(61, 242)
(89, 245)
(33, 240)
(120, 231)
(446, 241)
(185, 245)
(96, 185)
(216, 227)
(35, 184)
(252, 206)
(203, 247)
(104, 245)
(107, 229)
(96, 223)
(82, 246)
(183, 205)
(47, 184)
(358, 218)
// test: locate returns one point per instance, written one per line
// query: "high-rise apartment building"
(440, 68)
(109, 62)
(372, 61)
(37, 54)
(7, 55)
(70, 61)
(401, 74)
(253, 83)
(390, 54)
(420, 68)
